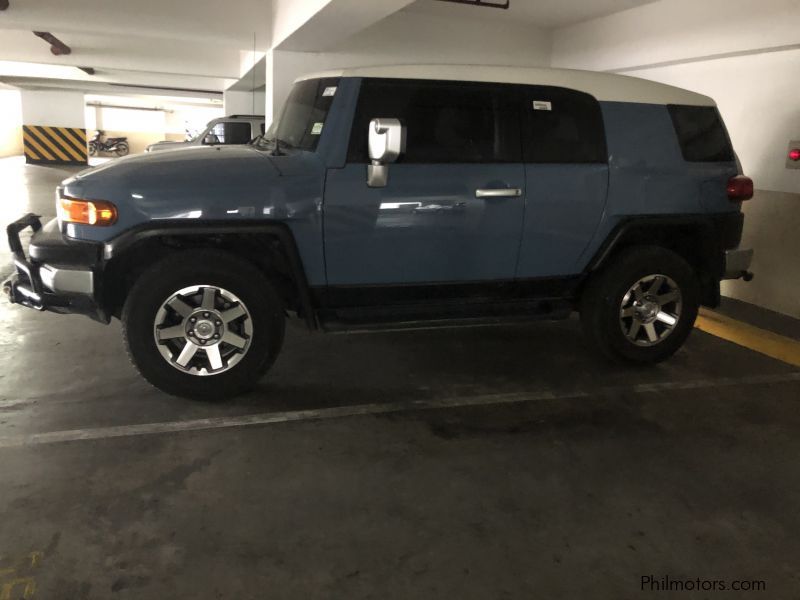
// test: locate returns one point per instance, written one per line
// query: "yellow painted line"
(30, 153)
(30, 140)
(81, 133)
(765, 342)
(76, 138)
(51, 145)
(63, 144)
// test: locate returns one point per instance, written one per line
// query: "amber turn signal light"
(87, 212)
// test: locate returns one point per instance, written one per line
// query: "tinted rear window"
(701, 134)
(562, 126)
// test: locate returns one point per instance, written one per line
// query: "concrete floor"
(549, 473)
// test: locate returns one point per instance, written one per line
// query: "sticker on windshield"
(316, 129)
(542, 105)
(329, 91)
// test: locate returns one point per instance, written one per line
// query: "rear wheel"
(203, 324)
(642, 307)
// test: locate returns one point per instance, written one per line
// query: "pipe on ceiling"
(57, 47)
(486, 3)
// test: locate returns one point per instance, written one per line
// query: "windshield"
(304, 113)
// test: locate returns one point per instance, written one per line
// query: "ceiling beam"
(487, 3)
(336, 21)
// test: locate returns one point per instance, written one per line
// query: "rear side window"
(230, 132)
(701, 134)
(562, 126)
(446, 122)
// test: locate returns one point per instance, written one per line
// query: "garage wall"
(678, 30)
(10, 124)
(749, 62)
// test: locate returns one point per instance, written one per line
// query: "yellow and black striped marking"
(45, 145)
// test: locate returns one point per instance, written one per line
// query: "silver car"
(233, 129)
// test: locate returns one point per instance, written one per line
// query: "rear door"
(453, 207)
(566, 178)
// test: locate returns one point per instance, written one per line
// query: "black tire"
(603, 296)
(92, 149)
(122, 149)
(207, 268)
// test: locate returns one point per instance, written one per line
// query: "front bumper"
(53, 285)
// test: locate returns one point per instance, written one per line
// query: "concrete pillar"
(10, 123)
(236, 102)
(54, 130)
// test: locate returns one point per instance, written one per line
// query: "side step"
(450, 314)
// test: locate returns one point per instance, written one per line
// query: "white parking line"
(118, 431)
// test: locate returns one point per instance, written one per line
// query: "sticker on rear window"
(329, 91)
(316, 129)
(542, 105)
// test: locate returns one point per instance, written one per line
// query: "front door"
(453, 208)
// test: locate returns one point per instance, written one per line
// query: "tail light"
(740, 188)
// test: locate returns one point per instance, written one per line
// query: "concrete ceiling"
(547, 14)
(198, 45)
(191, 20)
(174, 43)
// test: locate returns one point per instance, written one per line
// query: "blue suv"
(404, 196)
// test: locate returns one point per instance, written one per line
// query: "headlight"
(86, 212)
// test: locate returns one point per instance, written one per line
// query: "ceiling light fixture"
(504, 4)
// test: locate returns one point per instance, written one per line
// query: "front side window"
(303, 116)
(562, 126)
(701, 134)
(446, 122)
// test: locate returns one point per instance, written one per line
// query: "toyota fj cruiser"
(404, 196)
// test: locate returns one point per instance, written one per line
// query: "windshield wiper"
(277, 142)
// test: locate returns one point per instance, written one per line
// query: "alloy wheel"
(203, 330)
(650, 310)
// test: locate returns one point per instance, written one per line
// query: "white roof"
(606, 87)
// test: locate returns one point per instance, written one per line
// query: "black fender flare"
(128, 240)
(712, 234)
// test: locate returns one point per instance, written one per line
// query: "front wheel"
(642, 307)
(92, 149)
(203, 324)
(121, 149)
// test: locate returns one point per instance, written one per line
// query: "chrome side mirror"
(387, 141)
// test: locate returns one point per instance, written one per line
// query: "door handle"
(499, 193)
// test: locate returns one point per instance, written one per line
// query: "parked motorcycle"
(114, 145)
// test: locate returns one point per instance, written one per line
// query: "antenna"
(254, 73)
